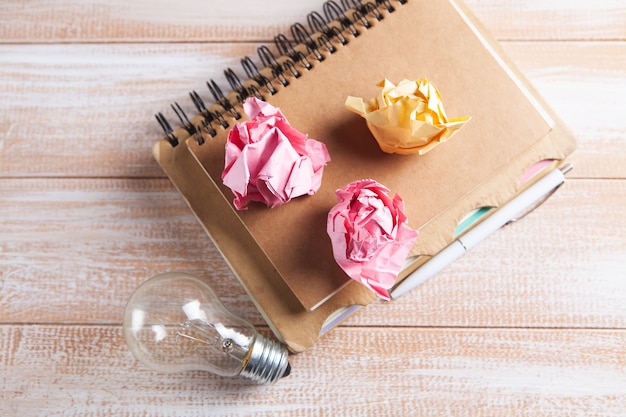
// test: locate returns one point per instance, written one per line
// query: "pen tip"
(567, 168)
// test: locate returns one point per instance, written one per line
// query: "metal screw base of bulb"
(268, 361)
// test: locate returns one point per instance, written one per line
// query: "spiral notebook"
(283, 256)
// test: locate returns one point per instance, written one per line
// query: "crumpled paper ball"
(269, 161)
(408, 118)
(370, 235)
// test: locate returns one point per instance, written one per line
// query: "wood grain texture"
(98, 101)
(532, 322)
(51, 370)
(119, 232)
(199, 21)
(84, 245)
(584, 83)
(148, 21)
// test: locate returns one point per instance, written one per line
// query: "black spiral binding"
(326, 33)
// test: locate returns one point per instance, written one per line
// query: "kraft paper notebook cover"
(283, 256)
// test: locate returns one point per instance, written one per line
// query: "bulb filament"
(225, 345)
(192, 338)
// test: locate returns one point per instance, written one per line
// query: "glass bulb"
(175, 322)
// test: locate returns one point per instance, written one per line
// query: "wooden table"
(531, 322)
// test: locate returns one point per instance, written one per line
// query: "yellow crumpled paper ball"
(408, 118)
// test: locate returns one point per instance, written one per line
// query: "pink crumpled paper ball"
(269, 161)
(370, 236)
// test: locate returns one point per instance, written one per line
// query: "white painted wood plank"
(80, 247)
(585, 83)
(149, 21)
(87, 371)
(84, 245)
(249, 20)
(531, 322)
(93, 105)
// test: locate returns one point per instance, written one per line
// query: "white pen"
(492, 223)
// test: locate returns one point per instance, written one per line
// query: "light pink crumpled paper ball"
(370, 236)
(269, 161)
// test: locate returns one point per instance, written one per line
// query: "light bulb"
(174, 322)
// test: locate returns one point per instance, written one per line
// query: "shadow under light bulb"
(174, 322)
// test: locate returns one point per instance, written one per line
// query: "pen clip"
(567, 168)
